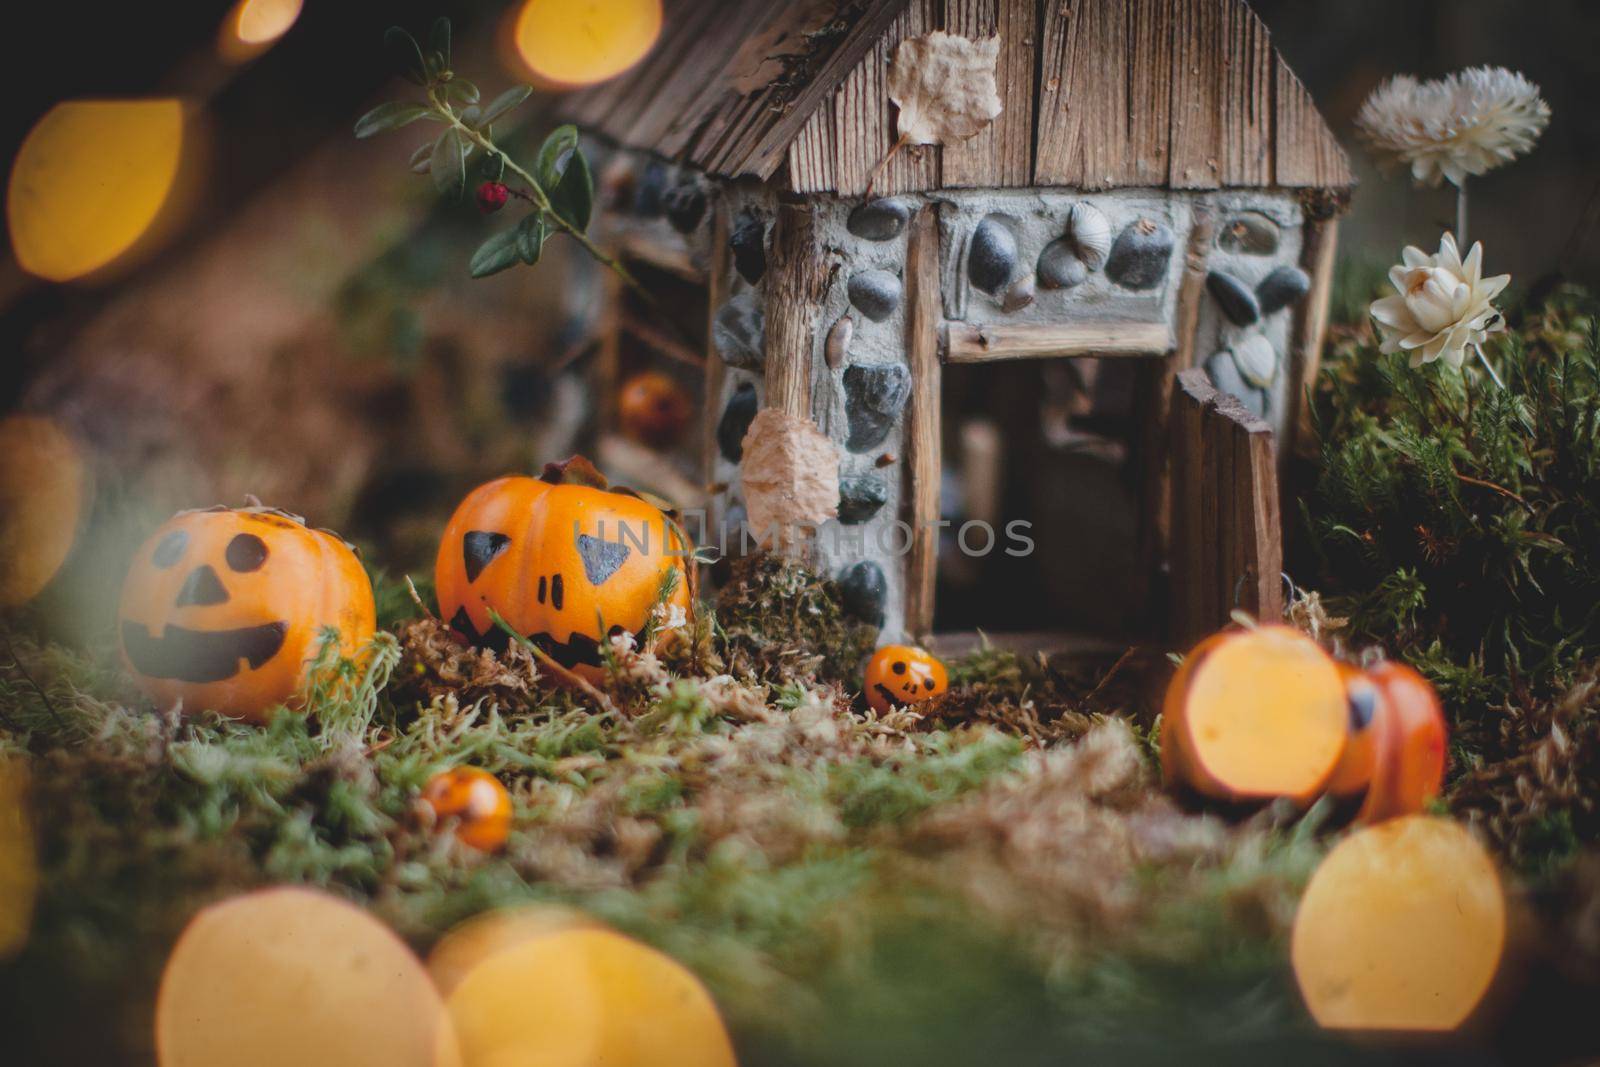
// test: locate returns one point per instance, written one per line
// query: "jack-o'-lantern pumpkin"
(565, 559)
(654, 409)
(223, 608)
(476, 800)
(1394, 759)
(1254, 714)
(900, 675)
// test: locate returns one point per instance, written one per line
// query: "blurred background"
(298, 323)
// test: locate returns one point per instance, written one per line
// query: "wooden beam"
(1320, 245)
(796, 282)
(923, 427)
(719, 279)
(966, 342)
(1153, 406)
(1227, 537)
(1000, 154)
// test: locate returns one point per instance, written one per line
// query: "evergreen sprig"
(1459, 522)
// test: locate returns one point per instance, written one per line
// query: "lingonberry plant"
(559, 190)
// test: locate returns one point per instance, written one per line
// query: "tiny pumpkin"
(654, 409)
(1394, 761)
(476, 800)
(565, 559)
(223, 608)
(900, 675)
(1254, 714)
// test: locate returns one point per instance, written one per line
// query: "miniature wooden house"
(1158, 186)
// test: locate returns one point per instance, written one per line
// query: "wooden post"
(924, 311)
(796, 282)
(1317, 256)
(718, 273)
(1227, 536)
(1154, 404)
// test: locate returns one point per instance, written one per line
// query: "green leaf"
(531, 235)
(503, 103)
(497, 253)
(492, 166)
(462, 90)
(572, 199)
(472, 115)
(439, 42)
(406, 55)
(563, 141)
(389, 116)
(448, 164)
(420, 162)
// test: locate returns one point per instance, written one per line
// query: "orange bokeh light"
(573, 43)
(297, 976)
(45, 489)
(97, 183)
(253, 26)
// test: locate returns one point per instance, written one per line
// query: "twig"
(16, 661)
(565, 674)
(1502, 490)
(877, 171)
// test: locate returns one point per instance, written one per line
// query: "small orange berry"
(477, 801)
(903, 674)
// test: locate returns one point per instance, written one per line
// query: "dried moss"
(780, 623)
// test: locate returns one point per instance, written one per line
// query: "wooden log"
(1189, 547)
(1227, 537)
(1310, 328)
(719, 279)
(1153, 405)
(967, 342)
(796, 281)
(923, 427)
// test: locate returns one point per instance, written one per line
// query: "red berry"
(492, 197)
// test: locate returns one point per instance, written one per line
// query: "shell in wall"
(1256, 360)
(1090, 231)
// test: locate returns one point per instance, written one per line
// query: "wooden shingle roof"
(1185, 94)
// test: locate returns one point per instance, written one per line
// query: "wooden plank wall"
(1227, 533)
(1183, 93)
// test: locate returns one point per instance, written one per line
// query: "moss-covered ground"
(995, 877)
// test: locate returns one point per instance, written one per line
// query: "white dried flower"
(670, 617)
(1466, 123)
(1441, 304)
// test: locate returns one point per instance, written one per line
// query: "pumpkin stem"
(575, 470)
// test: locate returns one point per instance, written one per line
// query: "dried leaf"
(945, 87)
(790, 473)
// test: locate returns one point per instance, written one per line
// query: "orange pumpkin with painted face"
(476, 800)
(1394, 760)
(900, 675)
(566, 559)
(223, 609)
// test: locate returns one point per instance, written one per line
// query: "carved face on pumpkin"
(566, 563)
(899, 675)
(222, 608)
(1394, 761)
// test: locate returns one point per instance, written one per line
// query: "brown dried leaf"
(790, 473)
(945, 87)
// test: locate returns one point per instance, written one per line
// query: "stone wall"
(1014, 256)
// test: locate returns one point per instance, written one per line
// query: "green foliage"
(1459, 521)
(559, 190)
